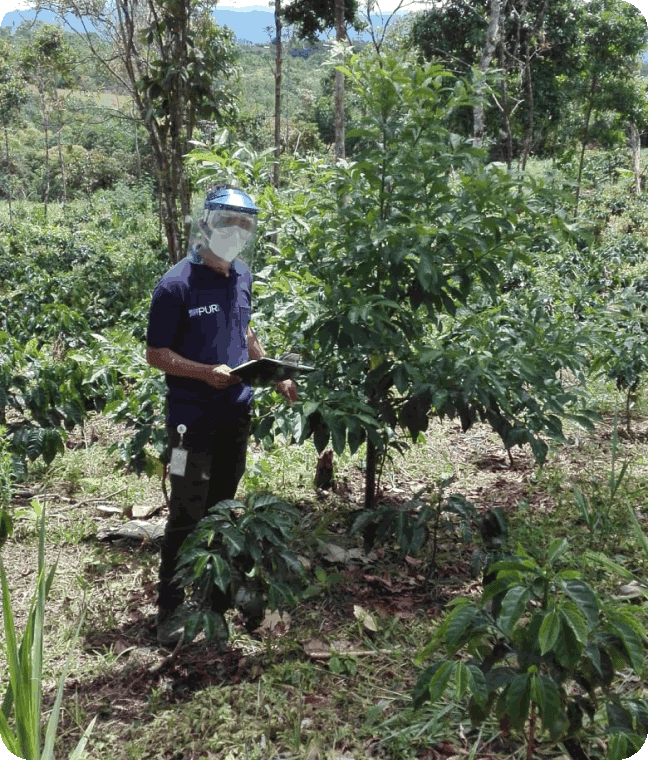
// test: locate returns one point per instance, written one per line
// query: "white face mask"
(228, 242)
(227, 234)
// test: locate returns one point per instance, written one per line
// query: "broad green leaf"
(6, 527)
(617, 747)
(477, 683)
(536, 693)
(580, 593)
(576, 620)
(632, 643)
(518, 697)
(618, 717)
(234, 540)
(456, 624)
(439, 681)
(556, 549)
(462, 679)
(549, 631)
(567, 648)
(221, 573)
(513, 607)
(498, 678)
(338, 434)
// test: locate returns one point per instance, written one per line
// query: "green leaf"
(617, 747)
(580, 593)
(6, 527)
(518, 697)
(338, 434)
(456, 624)
(462, 679)
(499, 586)
(513, 607)
(556, 549)
(576, 620)
(632, 643)
(567, 648)
(477, 683)
(618, 717)
(221, 573)
(641, 536)
(549, 631)
(439, 681)
(549, 706)
(603, 561)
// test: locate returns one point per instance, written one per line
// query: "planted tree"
(47, 66)
(613, 34)
(12, 96)
(175, 63)
(311, 17)
(378, 259)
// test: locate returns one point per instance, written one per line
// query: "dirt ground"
(118, 666)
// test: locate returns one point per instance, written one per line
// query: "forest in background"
(479, 259)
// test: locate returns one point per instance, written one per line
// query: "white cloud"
(21, 7)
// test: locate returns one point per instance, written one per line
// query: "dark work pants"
(215, 465)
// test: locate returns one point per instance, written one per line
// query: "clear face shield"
(226, 226)
(228, 233)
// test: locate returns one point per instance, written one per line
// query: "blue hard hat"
(230, 199)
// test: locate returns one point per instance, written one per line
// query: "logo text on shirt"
(211, 309)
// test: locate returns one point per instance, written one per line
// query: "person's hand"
(221, 376)
(289, 389)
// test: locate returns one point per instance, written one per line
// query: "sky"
(6, 6)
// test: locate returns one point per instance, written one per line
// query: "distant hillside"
(248, 24)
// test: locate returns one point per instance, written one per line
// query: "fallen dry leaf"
(365, 618)
(275, 623)
(317, 649)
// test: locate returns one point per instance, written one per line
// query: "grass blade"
(8, 737)
(77, 753)
(15, 666)
(641, 536)
(52, 724)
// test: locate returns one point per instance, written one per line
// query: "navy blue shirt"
(203, 316)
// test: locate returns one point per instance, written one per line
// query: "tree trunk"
(370, 474)
(528, 136)
(528, 81)
(506, 111)
(9, 185)
(277, 77)
(46, 189)
(581, 163)
(479, 122)
(635, 147)
(138, 157)
(338, 118)
(61, 159)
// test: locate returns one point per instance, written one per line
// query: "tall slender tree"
(312, 17)
(47, 65)
(12, 97)
(176, 63)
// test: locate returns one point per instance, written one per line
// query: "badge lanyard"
(178, 465)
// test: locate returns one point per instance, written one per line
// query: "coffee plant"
(240, 555)
(541, 644)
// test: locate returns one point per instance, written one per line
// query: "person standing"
(198, 330)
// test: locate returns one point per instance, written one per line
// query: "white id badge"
(178, 465)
